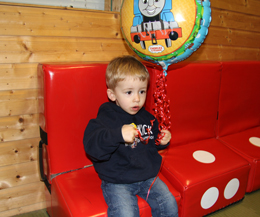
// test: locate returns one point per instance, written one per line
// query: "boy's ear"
(111, 95)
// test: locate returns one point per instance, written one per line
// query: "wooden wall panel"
(26, 49)
(19, 127)
(241, 6)
(17, 152)
(232, 37)
(18, 76)
(31, 34)
(116, 6)
(18, 102)
(58, 22)
(235, 20)
(23, 209)
(19, 174)
(24, 195)
(224, 53)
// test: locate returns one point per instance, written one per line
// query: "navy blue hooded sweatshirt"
(113, 159)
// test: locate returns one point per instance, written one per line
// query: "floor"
(248, 207)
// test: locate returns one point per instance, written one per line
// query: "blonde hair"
(121, 67)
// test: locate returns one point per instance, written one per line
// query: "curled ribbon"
(162, 104)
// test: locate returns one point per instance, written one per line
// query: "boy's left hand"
(166, 137)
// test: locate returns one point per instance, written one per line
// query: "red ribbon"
(161, 111)
(162, 104)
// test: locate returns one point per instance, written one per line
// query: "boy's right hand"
(129, 133)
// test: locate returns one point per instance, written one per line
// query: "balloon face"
(165, 31)
(151, 8)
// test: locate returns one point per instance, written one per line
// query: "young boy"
(121, 144)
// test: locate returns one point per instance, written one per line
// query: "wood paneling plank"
(241, 6)
(18, 102)
(54, 22)
(59, 49)
(108, 5)
(20, 196)
(116, 5)
(19, 127)
(20, 151)
(23, 209)
(224, 53)
(231, 37)
(18, 76)
(243, 39)
(19, 174)
(234, 20)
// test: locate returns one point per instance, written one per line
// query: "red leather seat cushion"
(247, 144)
(78, 193)
(205, 168)
(239, 113)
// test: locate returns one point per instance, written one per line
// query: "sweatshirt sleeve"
(102, 137)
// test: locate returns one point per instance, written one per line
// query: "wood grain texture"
(19, 174)
(26, 49)
(14, 128)
(17, 152)
(18, 76)
(24, 195)
(241, 6)
(18, 102)
(58, 22)
(24, 209)
(235, 20)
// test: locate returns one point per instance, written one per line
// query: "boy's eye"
(128, 92)
(142, 91)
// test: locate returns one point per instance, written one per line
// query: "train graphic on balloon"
(153, 21)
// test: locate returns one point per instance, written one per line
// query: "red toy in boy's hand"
(163, 138)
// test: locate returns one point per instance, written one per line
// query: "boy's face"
(129, 94)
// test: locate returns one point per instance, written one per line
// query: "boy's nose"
(136, 98)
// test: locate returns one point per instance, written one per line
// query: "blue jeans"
(122, 201)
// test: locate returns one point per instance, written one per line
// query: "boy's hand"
(129, 133)
(166, 137)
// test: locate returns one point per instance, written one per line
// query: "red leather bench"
(239, 114)
(208, 174)
(206, 166)
(70, 96)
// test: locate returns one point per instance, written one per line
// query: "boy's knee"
(168, 206)
(126, 211)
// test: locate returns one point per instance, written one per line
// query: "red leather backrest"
(70, 95)
(239, 107)
(193, 90)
